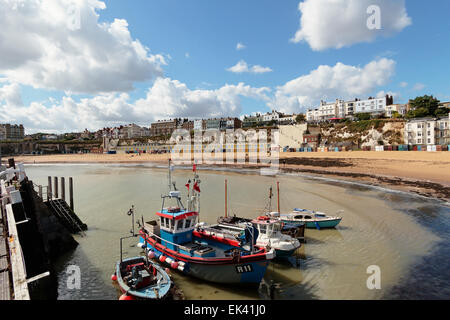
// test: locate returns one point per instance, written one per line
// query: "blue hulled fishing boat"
(175, 240)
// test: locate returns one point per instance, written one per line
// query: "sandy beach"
(426, 173)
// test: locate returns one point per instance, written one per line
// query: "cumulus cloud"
(243, 67)
(240, 46)
(338, 23)
(403, 84)
(61, 45)
(167, 98)
(331, 82)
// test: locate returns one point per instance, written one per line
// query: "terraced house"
(12, 132)
(428, 131)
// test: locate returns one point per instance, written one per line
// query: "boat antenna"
(131, 213)
(170, 176)
(278, 195)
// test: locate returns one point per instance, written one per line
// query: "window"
(187, 223)
(429, 133)
(179, 224)
(262, 228)
(428, 124)
(429, 140)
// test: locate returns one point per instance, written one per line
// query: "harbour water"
(405, 235)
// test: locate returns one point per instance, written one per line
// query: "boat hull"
(284, 253)
(231, 271)
(323, 224)
(145, 293)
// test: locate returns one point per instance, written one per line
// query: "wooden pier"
(5, 286)
(13, 277)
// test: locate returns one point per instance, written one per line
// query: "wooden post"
(56, 187)
(11, 163)
(278, 196)
(226, 199)
(71, 193)
(49, 189)
(63, 188)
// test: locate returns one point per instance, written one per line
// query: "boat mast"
(226, 198)
(170, 177)
(278, 195)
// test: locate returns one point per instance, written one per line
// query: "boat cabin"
(176, 223)
(268, 227)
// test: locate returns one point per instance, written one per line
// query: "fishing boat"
(268, 233)
(312, 219)
(139, 278)
(177, 240)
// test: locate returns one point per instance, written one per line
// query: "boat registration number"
(244, 268)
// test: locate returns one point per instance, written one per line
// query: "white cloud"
(338, 23)
(419, 86)
(187, 55)
(331, 82)
(243, 67)
(61, 45)
(403, 84)
(165, 99)
(240, 46)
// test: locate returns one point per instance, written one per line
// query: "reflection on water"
(405, 235)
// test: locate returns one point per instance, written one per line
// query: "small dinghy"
(140, 279)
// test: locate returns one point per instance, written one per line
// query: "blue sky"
(209, 31)
(198, 40)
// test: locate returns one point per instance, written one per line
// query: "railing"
(59, 209)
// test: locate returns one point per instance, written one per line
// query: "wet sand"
(425, 173)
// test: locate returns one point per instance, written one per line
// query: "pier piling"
(71, 193)
(63, 188)
(49, 189)
(56, 187)
(11, 163)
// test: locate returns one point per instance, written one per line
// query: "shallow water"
(405, 235)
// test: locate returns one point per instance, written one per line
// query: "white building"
(272, 116)
(312, 115)
(401, 109)
(428, 131)
(375, 105)
(199, 125)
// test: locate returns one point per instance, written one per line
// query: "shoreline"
(427, 174)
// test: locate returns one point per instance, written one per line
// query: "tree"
(442, 112)
(423, 106)
(362, 116)
(300, 118)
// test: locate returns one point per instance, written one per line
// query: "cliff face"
(363, 133)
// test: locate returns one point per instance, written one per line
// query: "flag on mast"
(196, 187)
(194, 167)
